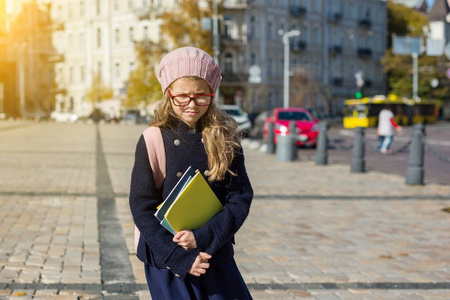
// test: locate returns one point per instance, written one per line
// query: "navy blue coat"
(183, 149)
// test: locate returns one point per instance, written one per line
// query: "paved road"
(313, 232)
(436, 162)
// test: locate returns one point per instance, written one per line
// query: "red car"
(307, 128)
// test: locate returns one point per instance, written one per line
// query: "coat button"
(177, 275)
(179, 174)
(206, 172)
(167, 267)
(203, 141)
(176, 142)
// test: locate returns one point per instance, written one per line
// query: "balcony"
(236, 4)
(56, 58)
(232, 77)
(335, 50)
(230, 41)
(337, 81)
(334, 17)
(365, 23)
(364, 52)
(57, 26)
(298, 11)
(297, 46)
(147, 13)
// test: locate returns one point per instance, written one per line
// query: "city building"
(337, 40)
(26, 53)
(439, 18)
(97, 40)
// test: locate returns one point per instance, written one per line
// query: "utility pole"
(286, 36)
(216, 46)
(22, 80)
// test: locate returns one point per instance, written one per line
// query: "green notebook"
(195, 204)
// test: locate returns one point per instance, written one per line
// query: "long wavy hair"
(219, 133)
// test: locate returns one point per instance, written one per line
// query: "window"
(99, 38)
(252, 31)
(130, 4)
(117, 36)
(81, 9)
(228, 64)
(270, 34)
(70, 40)
(117, 70)
(317, 5)
(270, 68)
(82, 73)
(70, 11)
(98, 7)
(145, 33)
(81, 41)
(131, 66)
(71, 75)
(116, 5)
(99, 68)
(252, 59)
(131, 35)
(316, 36)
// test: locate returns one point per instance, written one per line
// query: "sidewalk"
(314, 232)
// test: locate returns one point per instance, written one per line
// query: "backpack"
(157, 157)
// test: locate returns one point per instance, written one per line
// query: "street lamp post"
(286, 36)
(216, 47)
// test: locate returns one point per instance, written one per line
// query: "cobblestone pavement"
(314, 232)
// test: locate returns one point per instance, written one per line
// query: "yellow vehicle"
(364, 112)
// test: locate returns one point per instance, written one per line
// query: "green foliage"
(144, 87)
(98, 92)
(404, 21)
(182, 26)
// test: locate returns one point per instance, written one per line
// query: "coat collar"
(182, 127)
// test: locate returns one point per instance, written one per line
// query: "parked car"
(66, 117)
(134, 116)
(244, 124)
(307, 128)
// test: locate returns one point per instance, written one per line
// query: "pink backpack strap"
(156, 154)
(157, 157)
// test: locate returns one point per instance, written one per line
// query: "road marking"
(114, 256)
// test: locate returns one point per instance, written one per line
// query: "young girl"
(197, 263)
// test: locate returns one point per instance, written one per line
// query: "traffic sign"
(255, 74)
(447, 50)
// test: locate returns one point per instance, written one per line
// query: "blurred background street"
(317, 232)
(78, 86)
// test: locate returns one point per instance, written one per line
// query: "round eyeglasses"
(184, 100)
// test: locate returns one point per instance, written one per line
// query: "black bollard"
(293, 133)
(270, 136)
(358, 163)
(322, 145)
(415, 171)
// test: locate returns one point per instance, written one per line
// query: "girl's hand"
(185, 239)
(200, 264)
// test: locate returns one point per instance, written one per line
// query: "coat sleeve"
(222, 227)
(144, 198)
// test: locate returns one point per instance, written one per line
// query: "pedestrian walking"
(195, 263)
(385, 130)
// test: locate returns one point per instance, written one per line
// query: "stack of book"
(189, 205)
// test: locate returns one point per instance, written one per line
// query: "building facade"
(338, 38)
